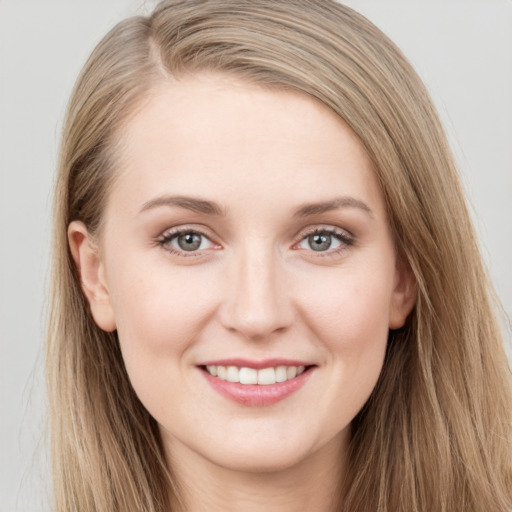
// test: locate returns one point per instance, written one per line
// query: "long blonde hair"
(436, 432)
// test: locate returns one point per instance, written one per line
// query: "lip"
(257, 365)
(254, 395)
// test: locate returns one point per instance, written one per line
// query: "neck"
(311, 484)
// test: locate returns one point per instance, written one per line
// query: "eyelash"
(343, 237)
(346, 240)
(165, 241)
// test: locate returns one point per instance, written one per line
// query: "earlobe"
(404, 295)
(90, 269)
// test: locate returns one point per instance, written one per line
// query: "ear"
(91, 271)
(404, 294)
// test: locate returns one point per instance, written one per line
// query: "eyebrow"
(325, 206)
(212, 208)
(189, 203)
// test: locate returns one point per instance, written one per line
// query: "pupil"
(320, 242)
(189, 241)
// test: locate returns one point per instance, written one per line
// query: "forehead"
(214, 134)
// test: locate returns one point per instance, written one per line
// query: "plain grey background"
(461, 48)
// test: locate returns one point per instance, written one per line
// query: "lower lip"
(254, 395)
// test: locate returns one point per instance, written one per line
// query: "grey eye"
(186, 242)
(320, 242)
(189, 241)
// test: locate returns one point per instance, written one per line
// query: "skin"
(255, 288)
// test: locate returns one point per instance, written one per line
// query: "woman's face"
(246, 237)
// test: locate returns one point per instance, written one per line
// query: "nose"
(256, 302)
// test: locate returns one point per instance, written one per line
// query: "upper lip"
(257, 365)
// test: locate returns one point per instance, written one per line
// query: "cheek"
(159, 307)
(159, 315)
(349, 318)
(350, 310)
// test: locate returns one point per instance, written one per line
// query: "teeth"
(281, 374)
(291, 372)
(266, 376)
(232, 374)
(248, 376)
(263, 377)
(221, 372)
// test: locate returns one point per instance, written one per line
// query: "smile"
(263, 376)
(257, 384)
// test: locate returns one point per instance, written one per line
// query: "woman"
(268, 292)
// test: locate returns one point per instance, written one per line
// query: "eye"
(188, 241)
(185, 241)
(325, 240)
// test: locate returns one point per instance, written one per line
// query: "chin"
(269, 455)
(271, 461)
